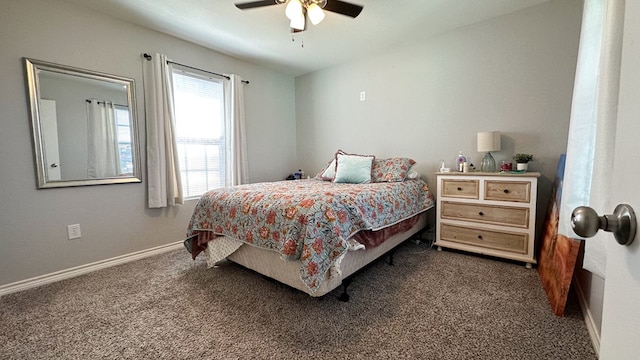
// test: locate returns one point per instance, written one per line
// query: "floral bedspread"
(307, 220)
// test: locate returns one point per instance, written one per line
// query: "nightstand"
(488, 213)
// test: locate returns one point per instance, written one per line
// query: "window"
(200, 130)
(123, 131)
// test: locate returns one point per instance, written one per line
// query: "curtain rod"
(148, 57)
(104, 102)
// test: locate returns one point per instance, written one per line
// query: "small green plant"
(523, 158)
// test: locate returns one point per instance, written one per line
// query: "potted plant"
(522, 161)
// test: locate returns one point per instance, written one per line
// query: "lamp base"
(488, 163)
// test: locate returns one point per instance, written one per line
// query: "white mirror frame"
(33, 68)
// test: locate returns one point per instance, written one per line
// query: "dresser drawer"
(516, 191)
(490, 214)
(491, 239)
(468, 189)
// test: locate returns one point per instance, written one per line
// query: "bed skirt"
(271, 264)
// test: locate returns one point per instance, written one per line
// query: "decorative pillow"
(353, 169)
(392, 169)
(329, 171)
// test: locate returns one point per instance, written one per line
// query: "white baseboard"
(588, 317)
(84, 269)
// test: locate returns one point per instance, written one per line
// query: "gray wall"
(428, 100)
(114, 218)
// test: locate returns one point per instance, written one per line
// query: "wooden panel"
(505, 241)
(468, 189)
(489, 214)
(559, 254)
(516, 191)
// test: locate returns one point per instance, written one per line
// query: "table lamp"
(488, 141)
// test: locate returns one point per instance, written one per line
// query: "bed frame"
(270, 263)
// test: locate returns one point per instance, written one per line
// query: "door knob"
(54, 165)
(622, 223)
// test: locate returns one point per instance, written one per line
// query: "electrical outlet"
(363, 96)
(74, 231)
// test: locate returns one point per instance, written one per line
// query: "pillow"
(392, 169)
(353, 169)
(329, 171)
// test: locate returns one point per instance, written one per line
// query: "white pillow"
(412, 174)
(330, 172)
(353, 169)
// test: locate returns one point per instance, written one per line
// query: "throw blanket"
(306, 220)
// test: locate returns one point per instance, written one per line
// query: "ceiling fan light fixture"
(294, 10)
(298, 22)
(316, 14)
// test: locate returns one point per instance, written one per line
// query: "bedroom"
(437, 94)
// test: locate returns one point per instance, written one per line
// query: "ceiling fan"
(298, 10)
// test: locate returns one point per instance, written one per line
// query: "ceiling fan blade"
(344, 8)
(255, 4)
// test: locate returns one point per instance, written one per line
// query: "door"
(49, 128)
(620, 334)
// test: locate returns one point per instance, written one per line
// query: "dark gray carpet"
(429, 305)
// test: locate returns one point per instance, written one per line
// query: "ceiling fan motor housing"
(321, 3)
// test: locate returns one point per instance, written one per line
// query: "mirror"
(84, 126)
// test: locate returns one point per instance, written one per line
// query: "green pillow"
(353, 169)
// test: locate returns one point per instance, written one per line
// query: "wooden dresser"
(488, 213)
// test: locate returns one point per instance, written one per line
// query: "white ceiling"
(262, 35)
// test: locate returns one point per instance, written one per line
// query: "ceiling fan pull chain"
(293, 38)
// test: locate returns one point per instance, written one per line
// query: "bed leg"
(344, 297)
(391, 253)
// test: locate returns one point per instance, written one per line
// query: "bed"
(312, 234)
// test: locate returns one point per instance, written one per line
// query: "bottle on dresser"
(460, 160)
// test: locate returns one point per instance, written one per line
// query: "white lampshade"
(293, 10)
(488, 141)
(316, 15)
(298, 22)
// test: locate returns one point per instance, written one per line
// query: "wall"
(114, 218)
(428, 100)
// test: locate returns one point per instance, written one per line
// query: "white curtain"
(593, 123)
(103, 158)
(237, 169)
(163, 171)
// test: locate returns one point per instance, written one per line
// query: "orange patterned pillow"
(391, 169)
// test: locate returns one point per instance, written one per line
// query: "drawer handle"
(481, 213)
(506, 191)
(459, 189)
